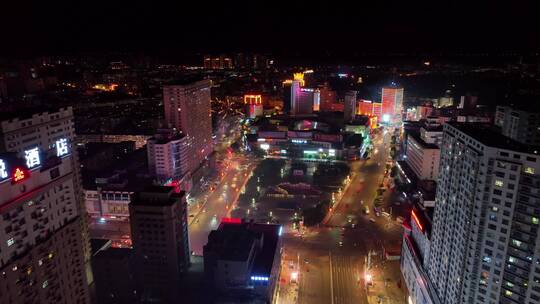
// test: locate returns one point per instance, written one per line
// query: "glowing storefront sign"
(62, 147)
(3, 169)
(331, 152)
(265, 146)
(32, 158)
(299, 141)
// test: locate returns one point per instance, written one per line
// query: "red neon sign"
(19, 175)
(231, 220)
(417, 221)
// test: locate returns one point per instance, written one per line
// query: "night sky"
(286, 27)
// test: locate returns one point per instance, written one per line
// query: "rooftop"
(488, 135)
(26, 111)
(420, 141)
(233, 241)
(157, 196)
(114, 253)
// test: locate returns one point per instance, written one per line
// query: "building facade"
(187, 108)
(168, 156)
(484, 245)
(158, 217)
(350, 106)
(44, 249)
(520, 125)
(392, 104)
(422, 157)
(244, 259)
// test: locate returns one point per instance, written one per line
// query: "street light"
(294, 276)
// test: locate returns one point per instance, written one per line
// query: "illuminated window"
(516, 243)
(529, 170)
(499, 183)
(45, 284)
(534, 220)
(511, 259)
(10, 242)
(509, 284)
(508, 293)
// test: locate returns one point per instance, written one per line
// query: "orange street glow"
(416, 220)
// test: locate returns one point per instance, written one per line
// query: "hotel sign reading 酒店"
(32, 159)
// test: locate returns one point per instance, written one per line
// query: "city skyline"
(269, 152)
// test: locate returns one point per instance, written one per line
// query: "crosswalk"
(345, 278)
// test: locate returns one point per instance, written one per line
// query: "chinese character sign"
(32, 158)
(61, 147)
(3, 169)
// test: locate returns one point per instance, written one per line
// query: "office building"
(44, 249)
(305, 101)
(114, 272)
(365, 107)
(168, 156)
(244, 259)
(468, 102)
(377, 110)
(350, 105)
(287, 96)
(159, 232)
(217, 62)
(422, 156)
(484, 244)
(519, 123)
(187, 109)
(392, 104)
(316, 100)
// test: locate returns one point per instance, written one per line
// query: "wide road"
(217, 204)
(332, 256)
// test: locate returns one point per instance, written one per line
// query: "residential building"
(187, 109)
(244, 259)
(519, 123)
(159, 232)
(484, 240)
(44, 246)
